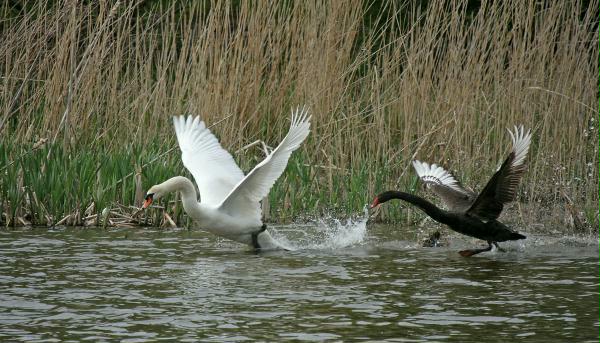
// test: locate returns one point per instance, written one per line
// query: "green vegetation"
(87, 92)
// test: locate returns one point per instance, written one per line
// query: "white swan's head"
(174, 184)
(154, 193)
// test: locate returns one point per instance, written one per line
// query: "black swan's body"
(471, 215)
(491, 231)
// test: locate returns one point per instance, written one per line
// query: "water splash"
(325, 233)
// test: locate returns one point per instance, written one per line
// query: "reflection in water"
(343, 283)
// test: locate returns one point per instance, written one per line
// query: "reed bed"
(88, 90)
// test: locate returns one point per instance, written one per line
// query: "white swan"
(230, 202)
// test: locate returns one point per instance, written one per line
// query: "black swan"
(470, 214)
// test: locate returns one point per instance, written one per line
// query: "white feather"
(255, 186)
(213, 168)
(230, 202)
(434, 174)
(521, 142)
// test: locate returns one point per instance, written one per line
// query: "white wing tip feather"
(521, 141)
(191, 132)
(186, 123)
(434, 174)
(299, 128)
(300, 116)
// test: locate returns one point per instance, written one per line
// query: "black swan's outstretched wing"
(454, 196)
(502, 187)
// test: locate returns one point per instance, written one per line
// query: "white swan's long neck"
(189, 197)
(212, 219)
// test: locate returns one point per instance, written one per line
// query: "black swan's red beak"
(375, 202)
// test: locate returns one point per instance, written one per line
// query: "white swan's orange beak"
(148, 201)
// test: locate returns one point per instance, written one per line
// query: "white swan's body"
(230, 201)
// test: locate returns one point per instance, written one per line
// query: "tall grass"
(99, 82)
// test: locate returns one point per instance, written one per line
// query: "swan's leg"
(467, 253)
(498, 247)
(255, 237)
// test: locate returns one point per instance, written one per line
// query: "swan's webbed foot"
(471, 252)
(255, 244)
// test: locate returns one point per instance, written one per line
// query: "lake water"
(345, 283)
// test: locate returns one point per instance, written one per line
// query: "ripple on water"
(346, 282)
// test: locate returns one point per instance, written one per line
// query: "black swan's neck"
(433, 211)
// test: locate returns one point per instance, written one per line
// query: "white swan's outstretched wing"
(245, 197)
(502, 187)
(213, 168)
(444, 185)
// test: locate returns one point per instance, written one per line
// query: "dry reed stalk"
(440, 83)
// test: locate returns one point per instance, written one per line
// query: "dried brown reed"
(440, 84)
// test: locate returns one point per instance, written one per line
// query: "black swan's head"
(383, 197)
